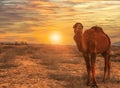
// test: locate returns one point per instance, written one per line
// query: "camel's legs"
(107, 65)
(93, 59)
(88, 67)
(105, 68)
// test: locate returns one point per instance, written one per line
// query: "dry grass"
(51, 66)
(7, 59)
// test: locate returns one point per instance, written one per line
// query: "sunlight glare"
(55, 38)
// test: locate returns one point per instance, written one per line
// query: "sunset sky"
(35, 21)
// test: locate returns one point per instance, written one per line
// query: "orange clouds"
(37, 18)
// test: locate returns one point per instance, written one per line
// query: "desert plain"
(52, 66)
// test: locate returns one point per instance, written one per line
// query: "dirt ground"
(52, 66)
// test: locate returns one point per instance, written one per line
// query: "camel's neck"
(78, 39)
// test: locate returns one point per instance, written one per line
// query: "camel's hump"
(97, 28)
(94, 31)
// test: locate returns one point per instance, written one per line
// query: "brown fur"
(92, 42)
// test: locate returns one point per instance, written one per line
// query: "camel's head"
(78, 27)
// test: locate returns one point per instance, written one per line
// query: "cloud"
(2, 32)
(12, 12)
(43, 16)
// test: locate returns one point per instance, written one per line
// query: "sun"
(55, 38)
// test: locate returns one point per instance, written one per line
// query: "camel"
(92, 42)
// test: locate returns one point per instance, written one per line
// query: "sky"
(34, 21)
